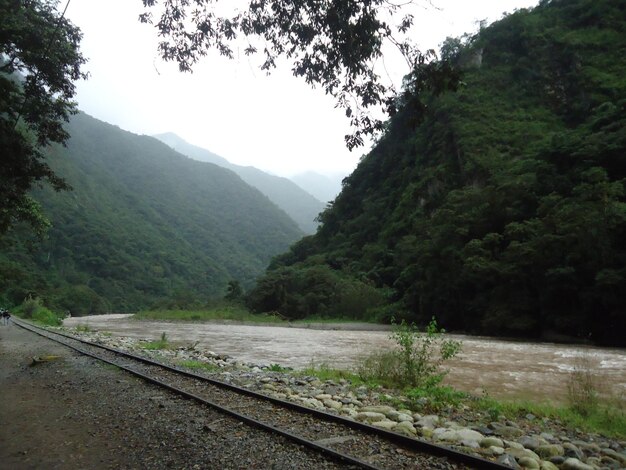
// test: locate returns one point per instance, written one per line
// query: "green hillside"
(296, 202)
(143, 224)
(503, 210)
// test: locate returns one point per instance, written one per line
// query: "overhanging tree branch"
(330, 43)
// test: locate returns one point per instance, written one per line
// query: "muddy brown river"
(503, 369)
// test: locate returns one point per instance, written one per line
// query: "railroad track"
(352, 443)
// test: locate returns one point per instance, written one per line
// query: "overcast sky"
(276, 123)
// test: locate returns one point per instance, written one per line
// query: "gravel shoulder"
(74, 412)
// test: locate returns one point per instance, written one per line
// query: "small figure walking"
(6, 316)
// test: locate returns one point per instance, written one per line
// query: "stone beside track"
(73, 412)
(528, 442)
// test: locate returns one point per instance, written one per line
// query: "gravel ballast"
(73, 412)
(149, 428)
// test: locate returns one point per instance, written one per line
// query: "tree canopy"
(504, 211)
(39, 62)
(334, 44)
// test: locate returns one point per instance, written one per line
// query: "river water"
(503, 369)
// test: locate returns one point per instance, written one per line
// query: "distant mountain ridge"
(295, 201)
(144, 225)
(197, 153)
(323, 187)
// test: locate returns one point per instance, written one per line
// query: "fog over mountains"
(295, 201)
(323, 187)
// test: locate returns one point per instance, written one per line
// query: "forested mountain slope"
(192, 151)
(503, 211)
(142, 224)
(296, 202)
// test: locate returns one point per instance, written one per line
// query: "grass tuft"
(325, 372)
(582, 391)
(161, 343)
(608, 419)
(278, 368)
(84, 328)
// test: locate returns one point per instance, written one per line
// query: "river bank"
(520, 440)
(503, 369)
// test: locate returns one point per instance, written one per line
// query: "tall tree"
(39, 62)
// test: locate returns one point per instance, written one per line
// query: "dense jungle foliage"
(142, 226)
(503, 210)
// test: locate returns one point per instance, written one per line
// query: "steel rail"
(338, 456)
(415, 444)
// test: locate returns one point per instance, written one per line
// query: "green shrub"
(234, 292)
(581, 389)
(33, 308)
(161, 343)
(314, 290)
(29, 306)
(416, 362)
(356, 299)
(47, 317)
(384, 367)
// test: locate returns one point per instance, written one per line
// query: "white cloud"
(277, 123)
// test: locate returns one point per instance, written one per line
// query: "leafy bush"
(382, 366)
(356, 299)
(34, 309)
(30, 306)
(47, 317)
(234, 292)
(416, 362)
